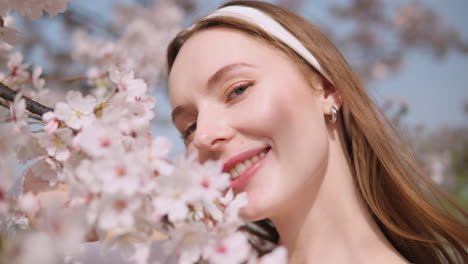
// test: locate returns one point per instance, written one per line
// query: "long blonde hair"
(409, 208)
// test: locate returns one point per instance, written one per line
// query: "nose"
(212, 134)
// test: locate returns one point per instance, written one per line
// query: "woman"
(261, 89)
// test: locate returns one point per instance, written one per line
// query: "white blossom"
(142, 253)
(17, 70)
(99, 140)
(95, 159)
(117, 214)
(57, 144)
(18, 113)
(176, 191)
(211, 182)
(28, 203)
(37, 81)
(78, 111)
(46, 169)
(188, 241)
(233, 205)
(127, 83)
(120, 175)
(234, 249)
(52, 123)
(278, 256)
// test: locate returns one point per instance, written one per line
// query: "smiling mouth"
(239, 164)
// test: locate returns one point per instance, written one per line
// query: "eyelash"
(186, 132)
(245, 84)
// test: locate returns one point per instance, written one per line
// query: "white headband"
(274, 28)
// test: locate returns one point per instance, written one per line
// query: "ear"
(330, 97)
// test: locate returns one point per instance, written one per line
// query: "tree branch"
(32, 106)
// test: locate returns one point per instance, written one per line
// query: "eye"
(237, 90)
(189, 130)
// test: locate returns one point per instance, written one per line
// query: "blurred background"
(411, 55)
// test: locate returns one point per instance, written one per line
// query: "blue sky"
(436, 90)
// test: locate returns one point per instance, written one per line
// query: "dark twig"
(4, 104)
(32, 106)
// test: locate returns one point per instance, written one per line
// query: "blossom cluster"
(141, 46)
(91, 171)
(33, 8)
(107, 177)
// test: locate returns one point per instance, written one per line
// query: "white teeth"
(233, 173)
(241, 167)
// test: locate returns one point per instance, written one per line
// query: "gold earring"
(334, 115)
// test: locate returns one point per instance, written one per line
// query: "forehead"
(209, 50)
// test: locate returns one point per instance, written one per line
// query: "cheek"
(291, 117)
(298, 132)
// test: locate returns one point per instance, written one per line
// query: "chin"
(250, 215)
(255, 210)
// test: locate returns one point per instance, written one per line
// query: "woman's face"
(238, 100)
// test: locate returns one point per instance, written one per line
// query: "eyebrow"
(212, 81)
(219, 74)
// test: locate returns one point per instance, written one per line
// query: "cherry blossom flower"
(160, 148)
(233, 205)
(176, 191)
(52, 123)
(18, 113)
(211, 182)
(175, 207)
(120, 175)
(45, 169)
(78, 111)
(188, 241)
(118, 214)
(126, 82)
(98, 140)
(157, 157)
(278, 256)
(232, 249)
(141, 255)
(57, 144)
(28, 203)
(17, 70)
(37, 81)
(87, 174)
(142, 44)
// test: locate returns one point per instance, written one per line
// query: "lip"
(241, 157)
(242, 180)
